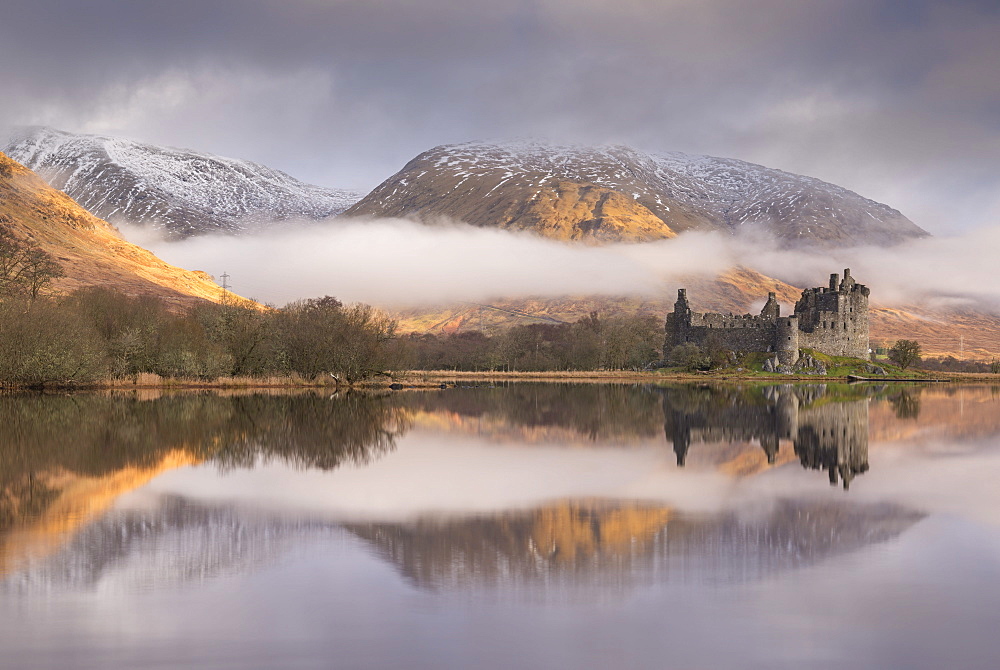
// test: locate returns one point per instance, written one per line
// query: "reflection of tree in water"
(828, 432)
(45, 436)
(314, 431)
(906, 403)
(595, 411)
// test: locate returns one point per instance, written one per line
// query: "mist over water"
(398, 262)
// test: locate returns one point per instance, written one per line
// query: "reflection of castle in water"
(827, 433)
(612, 545)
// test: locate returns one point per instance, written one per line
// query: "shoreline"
(599, 376)
(437, 378)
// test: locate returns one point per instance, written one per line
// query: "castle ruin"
(830, 319)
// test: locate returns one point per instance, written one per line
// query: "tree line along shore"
(100, 337)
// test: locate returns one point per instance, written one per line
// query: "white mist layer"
(943, 271)
(398, 262)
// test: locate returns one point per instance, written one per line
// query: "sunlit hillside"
(89, 250)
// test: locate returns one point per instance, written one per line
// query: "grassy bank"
(435, 378)
(154, 381)
(453, 376)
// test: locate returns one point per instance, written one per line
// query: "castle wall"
(838, 338)
(738, 333)
(834, 319)
(787, 337)
(831, 319)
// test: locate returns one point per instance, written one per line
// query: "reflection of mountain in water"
(120, 438)
(120, 441)
(618, 545)
(593, 546)
(63, 459)
(828, 433)
(177, 543)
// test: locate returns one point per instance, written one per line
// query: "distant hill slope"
(940, 331)
(612, 194)
(89, 250)
(180, 191)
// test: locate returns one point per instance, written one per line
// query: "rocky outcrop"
(808, 365)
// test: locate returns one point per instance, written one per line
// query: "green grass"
(841, 366)
(752, 365)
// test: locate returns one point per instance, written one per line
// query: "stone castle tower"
(831, 319)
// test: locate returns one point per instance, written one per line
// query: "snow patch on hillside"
(698, 192)
(182, 191)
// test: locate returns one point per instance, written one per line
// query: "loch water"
(503, 526)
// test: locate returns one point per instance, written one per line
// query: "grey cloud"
(896, 100)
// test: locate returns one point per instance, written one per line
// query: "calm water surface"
(525, 526)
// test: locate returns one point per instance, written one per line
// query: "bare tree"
(24, 268)
(322, 336)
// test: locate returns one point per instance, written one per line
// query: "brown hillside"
(585, 212)
(740, 290)
(617, 194)
(90, 250)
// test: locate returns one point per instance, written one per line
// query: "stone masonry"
(831, 319)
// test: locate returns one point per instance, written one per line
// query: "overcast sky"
(896, 99)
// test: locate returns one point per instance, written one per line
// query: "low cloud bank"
(397, 262)
(939, 271)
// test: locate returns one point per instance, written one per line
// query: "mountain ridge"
(179, 191)
(555, 190)
(89, 250)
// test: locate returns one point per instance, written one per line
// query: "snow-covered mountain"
(180, 191)
(89, 251)
(616, 193)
